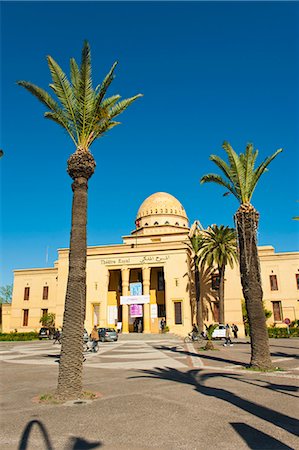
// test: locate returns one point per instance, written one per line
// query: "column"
(146, 273)
(125, 272)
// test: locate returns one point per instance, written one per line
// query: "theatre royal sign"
(135, 260)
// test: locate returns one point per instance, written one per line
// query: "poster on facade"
(136, 311)
(154, 311)
(136, 288)
(112, 314)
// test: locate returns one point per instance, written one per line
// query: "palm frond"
(262, 169)
(63, 90)
(122, 106)
(237, 168)
(86, 95)
(60, 119)
(214, 178)
(41, 95)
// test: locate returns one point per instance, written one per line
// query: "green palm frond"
(62, 88)
(60, 119)
(40, 94)
(214, 178)
(241, 175)
(87, 96)
(237, 169)
(81, 110)
(75, 78)
(262, 169)
(122, 106)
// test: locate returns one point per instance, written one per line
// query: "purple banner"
(136, 311)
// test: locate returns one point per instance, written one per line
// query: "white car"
(219, 332)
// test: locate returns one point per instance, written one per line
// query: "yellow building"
(148, 277)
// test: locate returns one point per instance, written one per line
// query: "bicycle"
(194, 338)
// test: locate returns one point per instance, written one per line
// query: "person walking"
(95, 338)
(227, 336)
(235, 330)
(162, 325)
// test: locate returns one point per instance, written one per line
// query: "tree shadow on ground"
(201, 355)
(281, 388)
(285, 355)
(74, 443)
(283, 346)
(197, 379)
(256, 439)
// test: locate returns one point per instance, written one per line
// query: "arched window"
(177, 224)
(156, 223)
(166, 223)
(146, 224)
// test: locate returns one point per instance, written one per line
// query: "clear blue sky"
(209, 72)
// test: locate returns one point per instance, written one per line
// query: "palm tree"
(241, 178)
(209, 335)
(86, 115)
(219, 248)
(195, 246)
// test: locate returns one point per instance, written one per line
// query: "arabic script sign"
(135, 260)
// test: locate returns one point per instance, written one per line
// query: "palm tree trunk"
(246, 223)
(80, 167)
(221, 271)
(199, 309)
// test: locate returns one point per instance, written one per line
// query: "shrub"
(13, 336)
(276, 332)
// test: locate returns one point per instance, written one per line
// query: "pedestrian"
(57, 337)
(227, 336)
(95, 338)
(139, 326)
(194, 331)
(235, 330)
(162, 324)
(135, 325)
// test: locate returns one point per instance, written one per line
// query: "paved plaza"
(155, 392)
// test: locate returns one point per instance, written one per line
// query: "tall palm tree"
(219, 248)
(195, 245)
(86, 114)
(241, 178)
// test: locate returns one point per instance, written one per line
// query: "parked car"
(45, 333)
(219, 332)
(107, 334)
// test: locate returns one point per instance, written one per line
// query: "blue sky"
(209, 72)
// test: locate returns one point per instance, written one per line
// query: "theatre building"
(147, 277)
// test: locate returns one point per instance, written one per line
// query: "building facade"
(148, 277)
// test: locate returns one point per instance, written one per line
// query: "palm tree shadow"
(256, 439)
(74, 443)
(176, 349)
(197, 380)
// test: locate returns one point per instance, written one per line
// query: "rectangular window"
(297, 280)
(44, 312)
(45, 292)
(215, 282)
(273, 283)
(277, 311)
(26, 293)
(161, 311)
(178, 313)
(25, 317)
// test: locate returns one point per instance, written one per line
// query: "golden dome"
(161, 213)
(161, 203)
